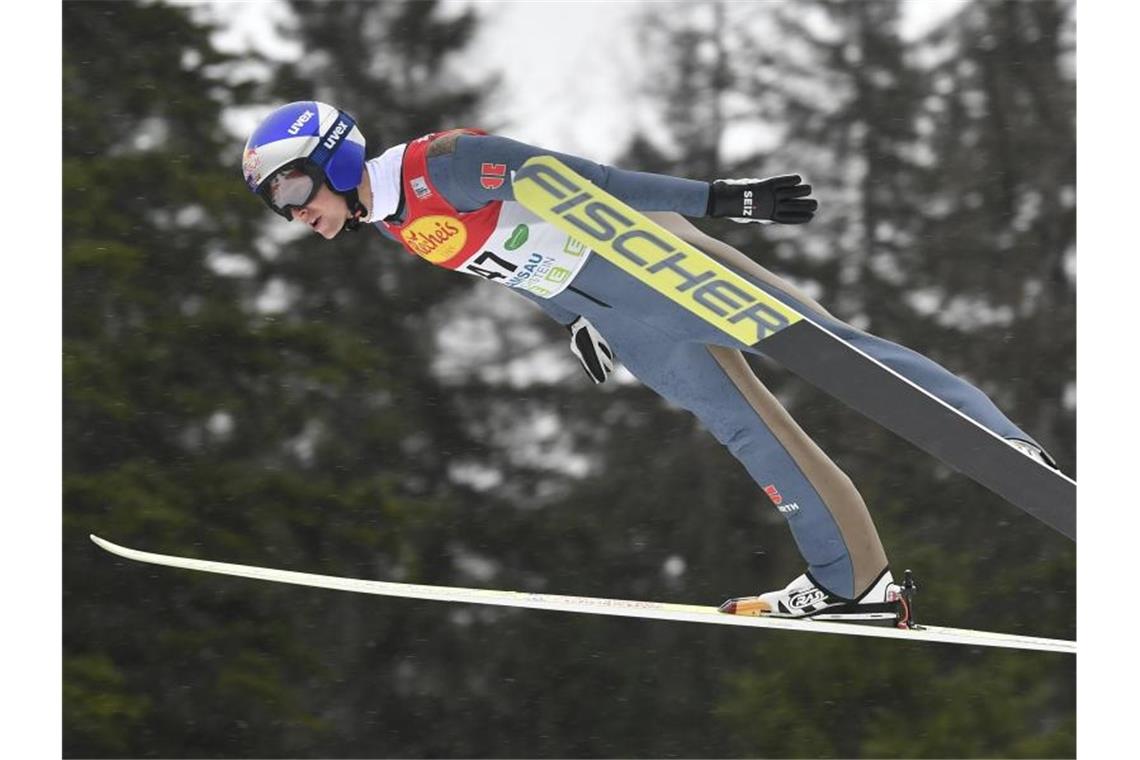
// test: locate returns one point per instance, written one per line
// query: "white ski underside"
(592, 605)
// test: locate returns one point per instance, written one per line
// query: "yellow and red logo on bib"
(436, 238)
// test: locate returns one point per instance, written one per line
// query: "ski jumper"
(456, 209)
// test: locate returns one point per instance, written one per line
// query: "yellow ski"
(740, 308)
(649, 252)
(689, 613)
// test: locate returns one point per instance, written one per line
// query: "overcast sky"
(573, 71)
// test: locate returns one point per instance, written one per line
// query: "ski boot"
(884, 601)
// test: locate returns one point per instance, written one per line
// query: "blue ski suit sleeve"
(457, 176)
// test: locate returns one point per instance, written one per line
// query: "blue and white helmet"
(312, 138)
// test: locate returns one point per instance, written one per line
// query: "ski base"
(594, 606)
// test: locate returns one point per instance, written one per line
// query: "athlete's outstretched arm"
(461, 174)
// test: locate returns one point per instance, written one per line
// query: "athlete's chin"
(328, 231)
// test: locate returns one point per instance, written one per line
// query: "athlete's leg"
(825, 512)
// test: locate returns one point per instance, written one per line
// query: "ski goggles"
(291, 187)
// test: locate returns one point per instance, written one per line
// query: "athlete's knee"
(744, 441)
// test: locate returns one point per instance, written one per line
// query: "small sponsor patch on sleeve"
(492, 176)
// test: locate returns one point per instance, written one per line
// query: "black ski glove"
(776, 199)
(591, 349)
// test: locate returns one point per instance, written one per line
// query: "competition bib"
(527, 253)
(501, 241)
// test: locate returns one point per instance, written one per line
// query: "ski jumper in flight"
(447, 198)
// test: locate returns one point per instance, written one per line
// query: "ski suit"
(454, 206)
